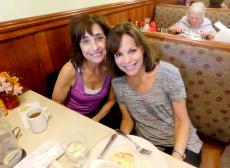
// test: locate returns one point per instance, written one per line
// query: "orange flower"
(9, 84)
(5, 75)
(13, 80)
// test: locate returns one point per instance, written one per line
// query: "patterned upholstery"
(167, 15)
(206, 74)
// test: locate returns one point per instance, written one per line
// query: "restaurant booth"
(36, 48)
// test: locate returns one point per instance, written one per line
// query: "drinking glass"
(164, 30)
(146, 24)
(76, 151)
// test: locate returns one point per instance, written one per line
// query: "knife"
(111, 140)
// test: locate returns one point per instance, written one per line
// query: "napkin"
(24, 108)
(43, 156)
(223, 35)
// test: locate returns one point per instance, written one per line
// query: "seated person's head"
(190, 2)
(195, 14)
(215, 3)
(225, 4)
(83, 30)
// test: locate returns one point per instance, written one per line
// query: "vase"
(10, 101)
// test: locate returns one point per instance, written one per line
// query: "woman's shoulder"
(168, 70)
(167, 66)
(68, 68)
(68, 71)
(184, 19)
(206, 21)
(119, 81)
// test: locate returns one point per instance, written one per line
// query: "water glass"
(164, 30)
(146, 24)
(76, 152)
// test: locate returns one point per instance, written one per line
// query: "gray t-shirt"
(152, 111)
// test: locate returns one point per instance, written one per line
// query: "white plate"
(100, 163)
(121, 144)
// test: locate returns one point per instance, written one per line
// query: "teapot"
(10, 152)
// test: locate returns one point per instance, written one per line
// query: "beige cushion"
(206, 74)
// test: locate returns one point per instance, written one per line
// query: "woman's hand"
(175, 30)
(207, 35)
(177, 156)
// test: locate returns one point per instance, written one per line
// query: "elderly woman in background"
(195, 21)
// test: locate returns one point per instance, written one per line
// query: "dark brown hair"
(114, 40)
(215, 3)
(81, 25)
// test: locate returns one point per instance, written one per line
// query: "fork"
(138, 147)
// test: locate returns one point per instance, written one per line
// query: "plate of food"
(123, 153)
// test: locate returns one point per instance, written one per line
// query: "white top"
(91, 91)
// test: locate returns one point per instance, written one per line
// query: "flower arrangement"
(9, 84)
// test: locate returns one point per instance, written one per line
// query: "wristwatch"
(182, 154)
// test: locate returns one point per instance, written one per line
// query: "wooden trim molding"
(183, 40)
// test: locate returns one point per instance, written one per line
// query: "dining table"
(64, 125)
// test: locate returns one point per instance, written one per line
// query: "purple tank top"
(85, 103)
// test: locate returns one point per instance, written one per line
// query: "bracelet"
(183, 156)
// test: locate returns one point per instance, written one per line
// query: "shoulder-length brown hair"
(114, 40)
(81, 25)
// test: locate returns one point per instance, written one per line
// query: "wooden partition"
(34, 47)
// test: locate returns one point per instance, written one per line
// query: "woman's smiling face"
(129, 57)
(93, 46)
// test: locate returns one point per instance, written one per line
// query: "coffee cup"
(37, 118)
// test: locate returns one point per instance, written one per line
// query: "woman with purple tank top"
(83, 83)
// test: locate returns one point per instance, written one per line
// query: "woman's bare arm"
(65, 79)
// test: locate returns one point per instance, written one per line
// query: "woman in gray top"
(151, 95)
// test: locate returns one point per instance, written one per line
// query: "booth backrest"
(205, 70)
(167, 15)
